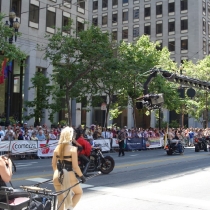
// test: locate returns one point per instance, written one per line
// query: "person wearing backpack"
(85, 150)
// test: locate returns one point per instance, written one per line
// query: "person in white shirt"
(2, 133)
(105, 134)
(52, 136)
(9, 129)
(30, 131)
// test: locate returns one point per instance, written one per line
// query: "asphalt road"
(143, 180)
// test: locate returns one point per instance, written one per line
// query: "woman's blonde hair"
(65, 139)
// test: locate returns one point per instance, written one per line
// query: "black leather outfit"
(64, 164)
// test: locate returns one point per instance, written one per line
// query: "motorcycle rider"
(84, 151)
(175, 139)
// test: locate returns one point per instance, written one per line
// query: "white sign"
(46, 149)
(4, 146)
(103, 106)
(115, 142)
(104, 144)
(22, 146)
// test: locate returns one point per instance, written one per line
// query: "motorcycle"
(99, 162)
(200, 144)
(171, 148)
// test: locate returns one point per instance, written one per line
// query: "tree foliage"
(7, 50)
(43, 89)
(74, 57)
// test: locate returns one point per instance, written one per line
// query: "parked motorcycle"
(200, 144)
(99, 162)
(171, 148)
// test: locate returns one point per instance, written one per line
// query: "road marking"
(23, 165)
(38, 179)
(120, 166)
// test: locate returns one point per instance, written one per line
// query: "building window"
(209, 47)
(135, 1)
(104, 4)
(114, 18)
(209, 10)
(125, 16)
(51, 19)
(95, 5)
(81, 6)
(125, 2)
(95, 20)
(80, 24)
(159, 9)
(104, 20)
(34, 14)
(147, 29)
(204, 26)
(67, 3)
(16, 7)
(114, 35)
(204, 47)
(160, 45)
(159, 28)
(135, 31)
(183, 59)
(136, 14)
(171, 7)
(184, 44)
(125, 33)
(171, 26)
(184, 6)
(204, 7)
(171, 45)
(209, 29)
(65, 22)
(184, 24)
(114, 3)
(147, 11)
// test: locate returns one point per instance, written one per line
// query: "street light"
(15, 25)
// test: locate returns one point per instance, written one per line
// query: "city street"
(141, 180)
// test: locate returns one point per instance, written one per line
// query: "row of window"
(147, 26)
(34, 10)
(147, 7)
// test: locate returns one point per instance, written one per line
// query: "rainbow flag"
(3, 69)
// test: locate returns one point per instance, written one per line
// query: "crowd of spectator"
(26, 132)
(95, 132)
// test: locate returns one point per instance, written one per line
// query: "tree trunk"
(68, 107)
(106, 116)
(134, 113)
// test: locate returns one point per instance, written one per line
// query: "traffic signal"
(150, 101)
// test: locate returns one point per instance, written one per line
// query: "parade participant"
(5, 170)
(84, 153)
(65, 165)
(121, 138)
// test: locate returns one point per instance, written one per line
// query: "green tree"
(198, 107)
(43, 89)
(7, 50)
(73, 57)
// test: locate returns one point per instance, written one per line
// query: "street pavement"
(144, 180)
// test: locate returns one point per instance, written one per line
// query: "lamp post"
(182, 108)
(15, 25)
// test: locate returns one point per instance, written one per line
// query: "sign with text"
(46, 148)
(104, 144)
(153, 142)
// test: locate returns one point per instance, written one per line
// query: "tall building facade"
(37, 18)
(181, 25)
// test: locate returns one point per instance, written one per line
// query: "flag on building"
(3, 68)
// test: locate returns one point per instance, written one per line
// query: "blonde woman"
(65, 165)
